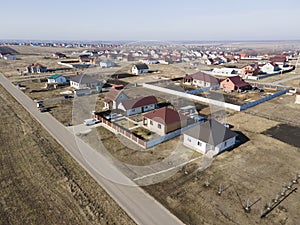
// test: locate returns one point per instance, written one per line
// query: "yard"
(259, 168)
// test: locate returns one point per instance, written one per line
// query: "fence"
(282, 89)
(144, 144)
(124, 132)
(169, 136)
(198, 90)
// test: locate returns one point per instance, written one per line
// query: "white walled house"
(9, 57)
(270, 68)
(164, 120)
(139, 69)
(138, 105)
(106, 63)
(83, 81)
(201, 79)
(113, 98)
(209, 136)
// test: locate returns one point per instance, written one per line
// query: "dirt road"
(40, 183)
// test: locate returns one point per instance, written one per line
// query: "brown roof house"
(164, 120)
(209, 136)
(279, 59)
(251, 69)
(36, 68)
(235, 83)
(113, 98)
(201, 79)
(138, 105)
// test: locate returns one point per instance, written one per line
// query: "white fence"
(212, 101)
(193, 97)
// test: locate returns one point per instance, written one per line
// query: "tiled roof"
(141, 66)
(138, 102)
(165, 116)
(211, 132)
(113, 94)
(238, 81)
(204, 77)
(83, 79)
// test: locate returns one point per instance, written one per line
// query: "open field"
(259, 168)
(40, 183)
(281, 109)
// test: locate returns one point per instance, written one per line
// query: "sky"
(202, 20)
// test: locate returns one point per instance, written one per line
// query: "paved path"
(286, 79)
(140, 206)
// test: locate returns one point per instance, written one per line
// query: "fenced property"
(282, 90)
(137, 140)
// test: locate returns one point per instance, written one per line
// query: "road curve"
(139, 205)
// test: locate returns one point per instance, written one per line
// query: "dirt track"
(40, 183)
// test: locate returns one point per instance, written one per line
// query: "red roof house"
(164, 120)
(113, 98)
(235, 83)
(138, 105)
(201, 79)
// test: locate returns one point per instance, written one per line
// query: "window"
(199, 143)
(225, 143)
(159, 126)
(189, 140)
(151, 122)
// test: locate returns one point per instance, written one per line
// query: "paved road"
(140, 206)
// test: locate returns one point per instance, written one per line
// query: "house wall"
(223, 146)
(268, 68)
(59, 80)
(194, 143)
(175, 126)
(74, 84)
(155, 126)
(147, 108)
(202, 147)
(227, 86)
(134, 111)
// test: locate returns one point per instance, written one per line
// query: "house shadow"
(51, 107)
(240, 140)
(163, 104)
(122, 75)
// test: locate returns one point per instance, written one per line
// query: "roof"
(204, 77)
(211, 132)
(113, 94)
(141, 66)
(37, 65)
(55, 76)
(138, 102)
(83, 79)
(238, 81)
(165, 116)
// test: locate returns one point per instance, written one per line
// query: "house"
(57, 78)
(297, 100)
(9, 57)
(84, 58)
(201, 79)
(59, 55)
(251, 69)
(139, 69)
(164, 120)
(270, 67)
(106, 63)
(279, 60)
(209, 136)
(138, 105)
(113, 98)
(224, 71)
(36, 68)
(235, 83)
(83, 81)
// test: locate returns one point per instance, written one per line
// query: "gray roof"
(211, 132)
(84, 79)
(141, 66)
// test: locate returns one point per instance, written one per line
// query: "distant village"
(153, 119)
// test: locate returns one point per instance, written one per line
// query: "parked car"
(89, 122)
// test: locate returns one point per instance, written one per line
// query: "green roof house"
(57, 78)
